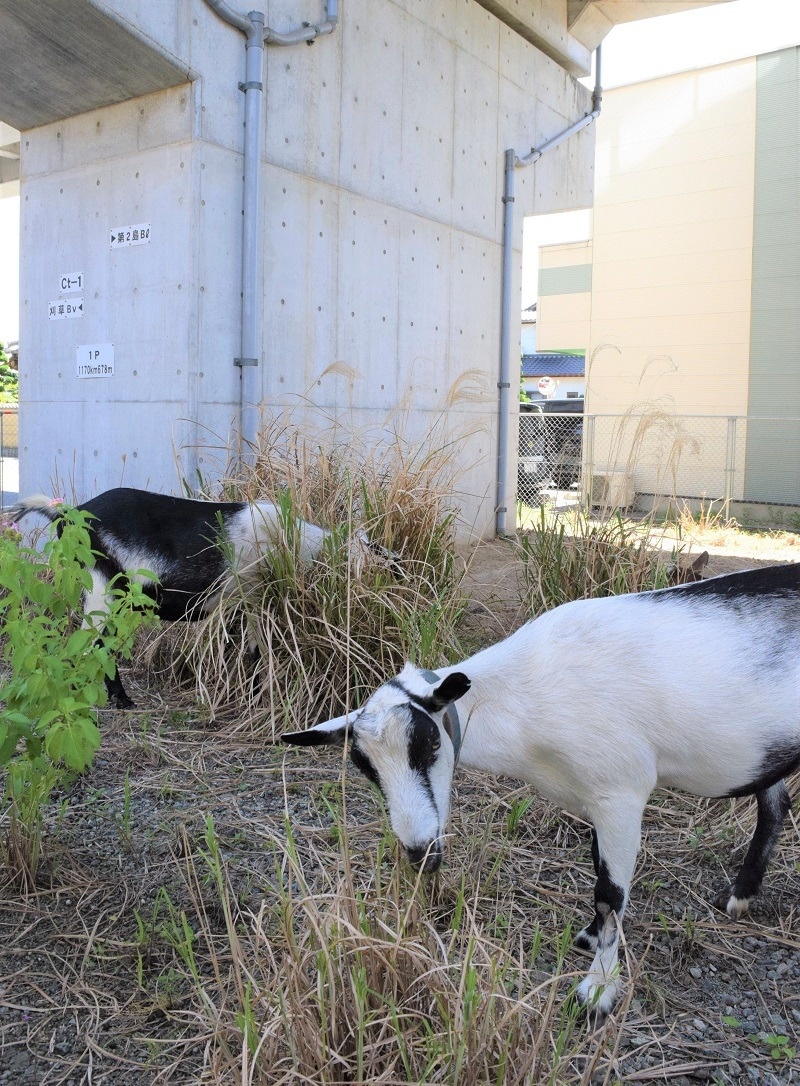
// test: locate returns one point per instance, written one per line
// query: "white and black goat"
(194, 548)
(695, 687)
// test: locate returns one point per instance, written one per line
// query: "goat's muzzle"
(427, 858)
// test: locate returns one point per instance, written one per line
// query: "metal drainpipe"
(514, 162)
(257, 34)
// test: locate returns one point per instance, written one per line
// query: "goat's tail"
(36, 503)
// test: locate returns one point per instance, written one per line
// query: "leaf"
(8, 744)
(74, 743)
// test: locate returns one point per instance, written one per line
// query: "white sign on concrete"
(95, 360)
(124, 236)
(65, 309)
(71, 283)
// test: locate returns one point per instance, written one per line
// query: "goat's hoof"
(728, 902)
(121, 701)
(597, 1000)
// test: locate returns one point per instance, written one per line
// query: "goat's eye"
(436, 743)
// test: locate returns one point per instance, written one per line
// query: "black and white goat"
(695, 687)
(194, 548)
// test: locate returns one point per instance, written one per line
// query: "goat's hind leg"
(117, 694)
(773, 806)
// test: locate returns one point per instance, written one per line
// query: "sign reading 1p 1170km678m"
(95, 360)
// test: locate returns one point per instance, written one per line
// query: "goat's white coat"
(652, 684)
(687, 688)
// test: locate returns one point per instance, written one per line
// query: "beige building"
(687, 296)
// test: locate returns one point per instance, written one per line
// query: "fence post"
(588, 460)
(730, 463)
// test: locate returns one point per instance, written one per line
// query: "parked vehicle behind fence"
(550, 443)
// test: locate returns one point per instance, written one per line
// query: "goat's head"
(405, 741)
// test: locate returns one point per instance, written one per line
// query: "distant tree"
(9, 379)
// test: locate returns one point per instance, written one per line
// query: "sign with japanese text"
(65, 309)
(95, 360)
(124, 236)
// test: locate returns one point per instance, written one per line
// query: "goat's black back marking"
(776, 582)
(173, 528)
(181, 535)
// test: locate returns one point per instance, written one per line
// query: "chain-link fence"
(9, 464)
(640, 461)
(9, 431)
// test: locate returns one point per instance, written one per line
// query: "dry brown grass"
(329, 630)
(253, 922)
(214, 909)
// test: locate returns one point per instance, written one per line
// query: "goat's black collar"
(452, 724)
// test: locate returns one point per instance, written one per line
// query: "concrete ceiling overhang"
(571, 44)
(64, 57)
(590, 20)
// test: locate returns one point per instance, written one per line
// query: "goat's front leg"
(615, 843)
(95, 607)
(773, 806)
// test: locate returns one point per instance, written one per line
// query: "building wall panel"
(382, 222)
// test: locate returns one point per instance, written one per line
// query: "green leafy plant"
(55, 672)
(778, 1044)
(9, 379)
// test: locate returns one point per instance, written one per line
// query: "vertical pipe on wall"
(512, 163)
(253, 87)
(730, 463)
(504, 378)
(257, 34)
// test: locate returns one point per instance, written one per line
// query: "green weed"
(48, 722)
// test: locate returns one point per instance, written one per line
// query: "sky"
(632, 52)
(9, 269)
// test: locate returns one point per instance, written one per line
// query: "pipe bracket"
(245, 362)
(252, 85)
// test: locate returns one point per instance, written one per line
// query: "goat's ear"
(450, 689)
(331, 732)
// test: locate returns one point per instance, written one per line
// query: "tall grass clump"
(331, 630)
(573, 557)
(354, 972)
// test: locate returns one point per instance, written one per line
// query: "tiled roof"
(548, 364)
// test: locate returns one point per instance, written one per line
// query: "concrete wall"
(381, 188)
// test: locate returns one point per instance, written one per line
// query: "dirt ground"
(494, 571)
(713, 1001)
